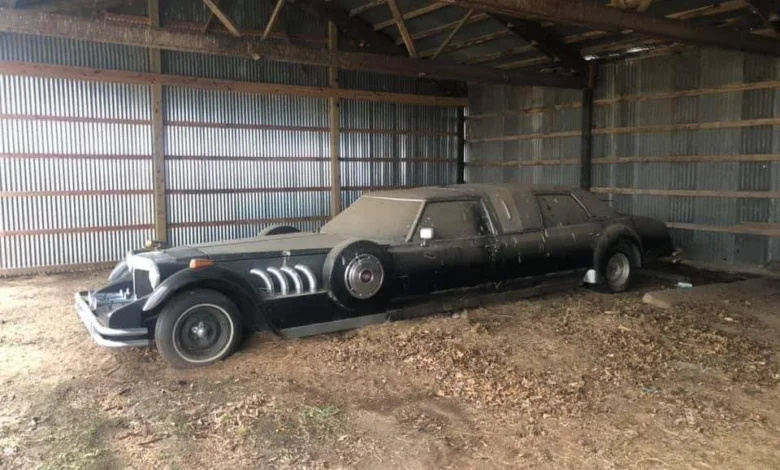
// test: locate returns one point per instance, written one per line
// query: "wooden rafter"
(210, 21)
(69, 5)
(452, 33)
(546, 41)
(475, 18)
(598, 16)
(274, 15)
(725, 7)
(223, 18)
(455, 46)
(399, 20)
(88, 29)
(358, 10)
(768, 10)
(411, 15)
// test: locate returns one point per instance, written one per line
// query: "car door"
(520, 248)
(569, 231)
(460, 253)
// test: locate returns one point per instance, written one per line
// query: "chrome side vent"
(278, 281)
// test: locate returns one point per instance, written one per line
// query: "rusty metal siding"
(710, 119)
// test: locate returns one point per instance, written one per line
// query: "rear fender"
(609, 237)
(238, 289)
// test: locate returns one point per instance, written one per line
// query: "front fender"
(612, 234)
(217, 278)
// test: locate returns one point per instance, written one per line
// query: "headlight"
(154, 277)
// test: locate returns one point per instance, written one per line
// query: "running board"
(333, 326)
(455, 300)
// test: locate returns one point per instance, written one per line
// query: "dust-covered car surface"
(195, 302)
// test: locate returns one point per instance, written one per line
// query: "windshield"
(375, 218)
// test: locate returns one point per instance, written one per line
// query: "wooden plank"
(586, 144)
(452, 34)
(117, 76)
(399, 21)
(158, 133)
(86, 29)
(295, 189)
(410, 15)
(772, 230)
(106, 192)
(690, 193)
(65, 268)
(70, 156)
(335, 127)
(594, 15)
(69, 5)
(690, 159)
(469, 43)
(640, 129)
(75, 119)
(223, 18)
(460, 177)
(272, 20)
(61, 231)
(426, 33)
(365, 7)
(514, 163)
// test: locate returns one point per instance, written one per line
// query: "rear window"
(375, 218)
(559, 210)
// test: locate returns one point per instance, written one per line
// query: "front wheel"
(618, 269)
(197, 328)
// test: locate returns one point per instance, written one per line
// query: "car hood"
(258, 247)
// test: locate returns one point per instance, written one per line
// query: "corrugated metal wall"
(76, 165)
(691, 139)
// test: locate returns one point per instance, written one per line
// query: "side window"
(453, 220)
(559, 210)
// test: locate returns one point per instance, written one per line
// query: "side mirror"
(426, 234)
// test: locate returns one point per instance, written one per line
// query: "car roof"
(458, 191)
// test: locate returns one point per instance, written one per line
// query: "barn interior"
(190, 121)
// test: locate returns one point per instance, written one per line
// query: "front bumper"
(105, 336)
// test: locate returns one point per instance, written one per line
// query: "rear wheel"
(277, 230)
(618, 268)
(197, 328)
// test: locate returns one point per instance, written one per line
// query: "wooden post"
(335, 128)
(158, 134)
(586, 159)
(461, 176)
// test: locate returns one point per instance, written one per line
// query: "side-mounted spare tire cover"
(277, 230)
(358, 275)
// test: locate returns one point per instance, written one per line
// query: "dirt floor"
(578, 380)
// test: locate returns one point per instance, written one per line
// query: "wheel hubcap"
(203, 333)
(618, 269)
(364, 276)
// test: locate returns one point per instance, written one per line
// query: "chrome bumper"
(109, 337)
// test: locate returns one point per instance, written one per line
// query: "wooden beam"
(362, 32)
(461, 165)
(690, 193)
(87, 29)
(452, 34)
(443, 28)
(586, 157)
(272, 19)
(70, 5)
(399, 21)
(597, 16)
(411, 15)
(335, 127)
(158, 133)
(455, 46)
(768, 11)
(118, 76)
(365, 7)
(223, 18)
(546, 41)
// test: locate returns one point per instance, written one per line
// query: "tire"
(358, 276)
(197, 328)
(619, 266)
(277, 230)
